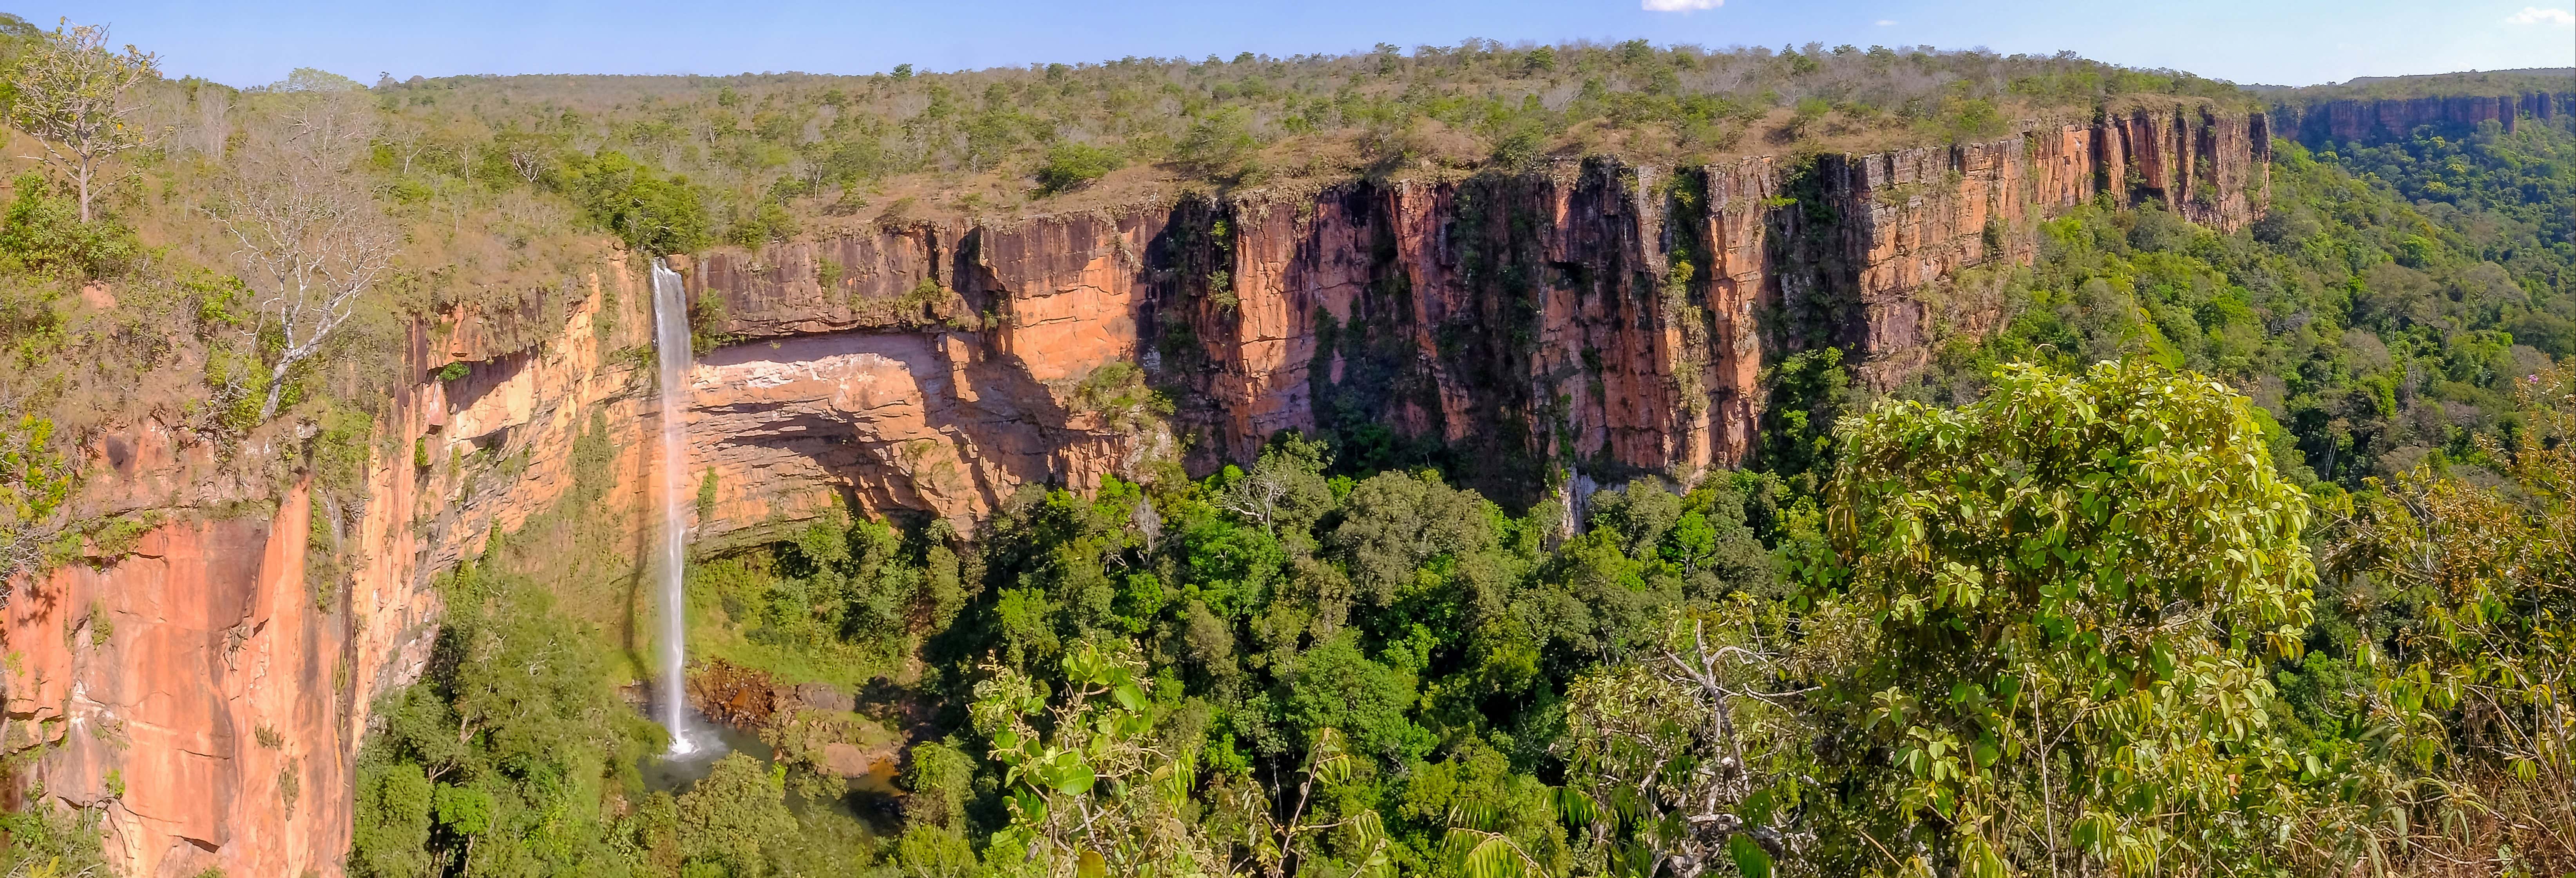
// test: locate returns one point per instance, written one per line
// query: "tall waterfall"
(671, 341)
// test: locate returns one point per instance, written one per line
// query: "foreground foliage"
(2062, 629)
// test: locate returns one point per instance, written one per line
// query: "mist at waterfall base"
(671, 343)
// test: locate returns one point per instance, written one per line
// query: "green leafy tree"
(1809, 391)
(42, 234)
(653, 213)
(1217, 145)
(1071, 166)
(1093, 793)
(2075, 582)
(50, 841)
(732, 816)
(1691, 756)
(391, 838)
(73, 97)
(504, 772)
(34, 480)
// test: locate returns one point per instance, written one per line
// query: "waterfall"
(671, 341)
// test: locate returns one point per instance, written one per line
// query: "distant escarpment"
(1592, 318)
(2370, 119)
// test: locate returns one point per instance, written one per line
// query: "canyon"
(1578, 322)
(2362, 119)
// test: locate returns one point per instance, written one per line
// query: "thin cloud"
(2537, 15)
(1885, 22)
(1679, 5)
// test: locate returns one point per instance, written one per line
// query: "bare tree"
(1671, 743)
(72, 96)
(409, 136)
(214, 124)
(195, 120)
(313, 238)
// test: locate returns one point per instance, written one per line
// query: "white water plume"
(671, 341)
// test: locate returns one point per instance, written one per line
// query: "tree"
(654, 214)
(34, 480)
(739, 810)
(72, 99)
(313, 239)
(1692, 748)
(1285, 489)
(1094, 788)
(2476, 689)
(42, 232)
(1217, 144)
(1099, 795)
(2073, 582)
(1070, 166)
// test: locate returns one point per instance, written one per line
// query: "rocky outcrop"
(2365, 119)
(183, 691)
(791, 429)
(1597, 317)
(1586, 320)
(206, 686)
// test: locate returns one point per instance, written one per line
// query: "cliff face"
(2365, 119)
(1587, 320)
(1599, 318)
(207, 687)
(177, 688)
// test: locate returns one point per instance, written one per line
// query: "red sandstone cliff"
(1541, 320)
(2353, 119)
(1593, 318)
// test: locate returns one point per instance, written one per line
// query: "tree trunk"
(276, 387)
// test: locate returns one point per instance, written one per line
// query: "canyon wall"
(1592, 318)
(207, 685)
(2366, 119)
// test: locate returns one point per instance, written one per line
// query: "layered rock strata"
(206, 687)
(1597, 317)
(2362, 119)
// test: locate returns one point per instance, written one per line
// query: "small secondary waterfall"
(671, 341)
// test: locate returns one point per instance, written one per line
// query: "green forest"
(2279, 586)
(2245, 553)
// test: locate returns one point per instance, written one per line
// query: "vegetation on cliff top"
(2486, 83)
(778, 154)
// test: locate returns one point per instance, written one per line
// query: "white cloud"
(1884, 22)
(1679, 5)
(2537, 15)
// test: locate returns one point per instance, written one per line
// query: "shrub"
(1070, 166)
(43, 232)
(1217, 144)
(654, 214)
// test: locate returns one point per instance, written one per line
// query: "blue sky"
(2291, 42)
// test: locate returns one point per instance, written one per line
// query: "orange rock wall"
(144, 681)
(2364, 119)
(175, 690)
(1530, 322)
